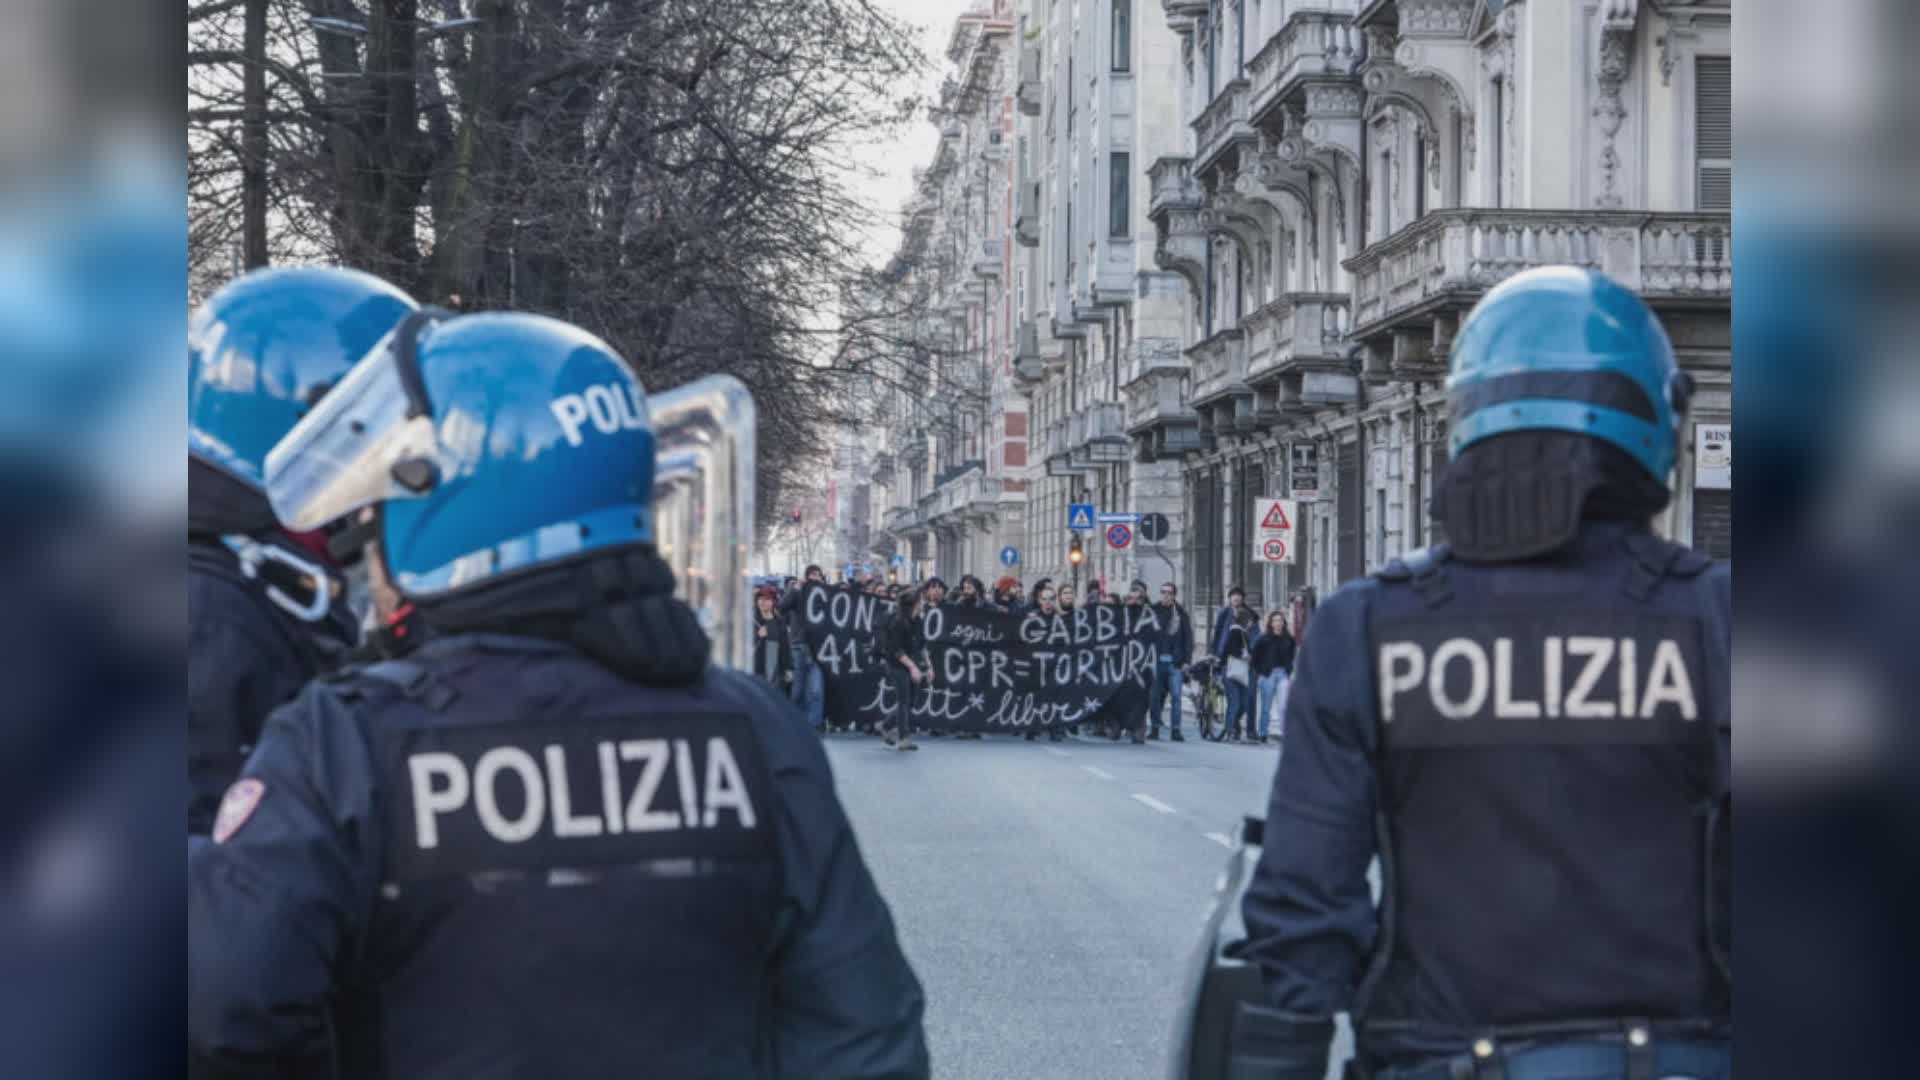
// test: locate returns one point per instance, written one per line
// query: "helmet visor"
(339, 458)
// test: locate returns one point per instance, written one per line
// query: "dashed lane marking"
(1148, 800)
(1221, 839)
(1099, 772)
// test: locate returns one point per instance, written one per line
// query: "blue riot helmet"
(1565, 349)
(489, 443)
(1564, 405)
(264, 348)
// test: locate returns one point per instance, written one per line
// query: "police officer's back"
(265, 611)
(553, 841)
(1529, 727)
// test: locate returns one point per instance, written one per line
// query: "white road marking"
(1148, 800)
(1221, 839)
(1099, 772)
(1057, 752)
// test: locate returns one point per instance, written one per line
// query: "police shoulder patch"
(239, 803)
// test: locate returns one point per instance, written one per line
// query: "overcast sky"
(896, 160)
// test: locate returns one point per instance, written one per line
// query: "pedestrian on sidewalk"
(1236, 647)
(905, 646)
(1273, 653)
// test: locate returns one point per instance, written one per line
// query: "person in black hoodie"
(267, 608)
(903, 645)
(1272, 665)
(505, 853)
(1175, 649)
(809, 682)
(772, 656)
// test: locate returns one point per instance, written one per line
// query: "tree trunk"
(253, 139)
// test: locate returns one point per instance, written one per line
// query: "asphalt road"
(1049, 894)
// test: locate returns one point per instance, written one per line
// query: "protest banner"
(992, 672)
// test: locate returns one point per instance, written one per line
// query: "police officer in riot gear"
(266, 607)
(554, 839)
(1529, 727)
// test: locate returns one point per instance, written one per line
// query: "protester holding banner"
(1174, 647)
(904, 646)
(809, 686)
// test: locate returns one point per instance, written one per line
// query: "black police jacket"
(499, 858)
(1538, 754)
(246, 656)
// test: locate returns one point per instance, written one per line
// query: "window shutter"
(1713, 132)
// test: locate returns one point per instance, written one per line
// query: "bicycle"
(1210, 699)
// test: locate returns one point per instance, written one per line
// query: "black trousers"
(902, 716)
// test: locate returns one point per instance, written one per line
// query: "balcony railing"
(1661, 256)
(898, 518)
(1182, 13)
(1155, 400)
(1296, 327)
(1106, 422)
(1221, 123)
(1312, 43)
(1219, 364)
(1171, 186)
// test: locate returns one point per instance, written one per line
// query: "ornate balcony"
(1099, 435)
(883, 468)
(1224, 126)
(1026, 219)
(1411, 289)
(899, 519)
(1182, 14)
(1158, 418)
(1029, 367)
(1313, 45)
(1296, 355)
(1027, 93)
(1171, 187)
(1219, 366)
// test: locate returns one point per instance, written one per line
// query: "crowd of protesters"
(1253, 657)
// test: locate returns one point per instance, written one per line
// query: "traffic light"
(1075, 554)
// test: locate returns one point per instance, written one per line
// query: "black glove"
(1268, 1044)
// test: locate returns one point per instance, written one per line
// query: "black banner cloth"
(991, 672)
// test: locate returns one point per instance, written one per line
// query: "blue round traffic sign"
(1010, 556)
(1119, 536)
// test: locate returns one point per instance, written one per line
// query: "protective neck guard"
(1523, 495)
(615, 605)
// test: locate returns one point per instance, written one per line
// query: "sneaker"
(891, 739)
(1177, 737)
(907, 744)
(1054, 736)
(1154, 734)
(1032, 734)
(1137, 740)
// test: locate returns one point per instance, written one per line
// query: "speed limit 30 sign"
(1273, 528)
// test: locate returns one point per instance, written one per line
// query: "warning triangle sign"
(1276, 518)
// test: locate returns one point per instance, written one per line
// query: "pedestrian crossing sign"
(1276, 517)
(1079, 515)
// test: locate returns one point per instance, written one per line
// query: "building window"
(1499, 137)
(1119, 214)
(1713, 132)
(1419, 176)
(1240, 38)
(1379, 525)
(1122, 35)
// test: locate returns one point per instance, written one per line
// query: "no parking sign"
(1119, 535)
